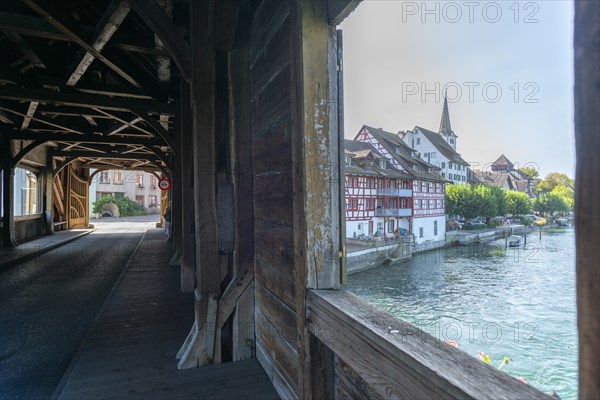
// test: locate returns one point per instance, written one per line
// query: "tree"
(566, 194)
(517, 202)
(531, 171)
(461, 201)
(126, 207)
(549, 203)
(486, 201)
(553, 180)
(500, 195)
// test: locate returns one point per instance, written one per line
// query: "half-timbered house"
(428, 186)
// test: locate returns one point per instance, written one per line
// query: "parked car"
(475, 222)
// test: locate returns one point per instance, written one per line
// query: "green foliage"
(461, 201)
(531, 171)
(486, 201)
(566, 194)
(472, 201)
(517, 202)
(501, 204)
(550, 203)
(526, 220)
(127, 208)
(551, 181)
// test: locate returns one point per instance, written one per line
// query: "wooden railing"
(376, 355)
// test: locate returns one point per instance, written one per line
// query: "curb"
(69, 370)
(35, 253)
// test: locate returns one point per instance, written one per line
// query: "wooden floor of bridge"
(130, 351)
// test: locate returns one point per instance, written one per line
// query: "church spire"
(445, 127)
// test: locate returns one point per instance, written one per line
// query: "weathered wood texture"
(276, 305)
(587, 193)
(396, 360)
(186, 183)
(130, 352)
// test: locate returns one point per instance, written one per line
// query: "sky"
(507, 67)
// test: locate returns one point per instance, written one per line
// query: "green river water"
(518, 303)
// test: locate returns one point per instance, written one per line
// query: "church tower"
(445, 129)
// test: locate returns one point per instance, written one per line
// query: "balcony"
(394, 192)
(393, 212)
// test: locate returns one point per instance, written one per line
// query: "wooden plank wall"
(293, 68)
(275, 292)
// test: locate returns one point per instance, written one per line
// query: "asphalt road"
(48, 304)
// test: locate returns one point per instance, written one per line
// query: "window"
(380, 183)
(449, 165)
(382, 164)
(464, 178)
(26, 192)
(421, 232)
(152, 201)
(354, 204)
(433, 155)
(118, 178)
(430, 187)
(139, 180)
(425, 155)
(451, 141)
(379, 203)
(380, 226)
(104, 177)
(348, 160)
(435, 226)
(417, 204)
(443, 164)
(418, 140)
(415, 186)
(152, 181)
(391, 226)
(119, 194)
(360, 227)
(431, 204)
(139, 200)
(438, 203)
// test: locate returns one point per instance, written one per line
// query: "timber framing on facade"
(240, 104)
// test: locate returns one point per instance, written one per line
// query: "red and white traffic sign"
(164, 184)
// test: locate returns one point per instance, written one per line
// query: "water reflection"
(518, 302)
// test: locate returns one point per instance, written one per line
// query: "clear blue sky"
(398, 59)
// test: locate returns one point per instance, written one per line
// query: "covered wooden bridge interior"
(240, 104)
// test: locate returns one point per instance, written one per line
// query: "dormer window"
(451, 141)
(398, 149)
(348, 160)
(382, 164)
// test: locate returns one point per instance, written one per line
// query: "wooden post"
(587, 193)
(203, 117)
(49, 195)
(8, 179)
(186, 166)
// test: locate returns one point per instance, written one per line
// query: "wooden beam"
(27, 118)
(232, 293)
(84, 100)
(587, 193)
(115, 156)
(398, 360)
(225, 21)
(26, 49)
(37, 27)
(338, 10)
(108, 25)
(47, 10)
(30, 111)
(87, 138)
(163, 27)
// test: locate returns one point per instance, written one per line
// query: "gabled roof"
(404, 157)
(363, 150)
(442, 146)
(503, 161)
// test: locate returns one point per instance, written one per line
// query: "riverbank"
(363, 256)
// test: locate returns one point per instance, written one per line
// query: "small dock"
(130, 351)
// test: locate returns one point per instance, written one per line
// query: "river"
(518, 303)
